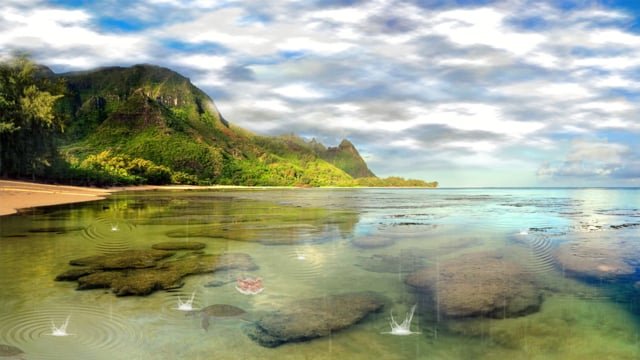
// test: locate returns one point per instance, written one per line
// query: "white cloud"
(609, 63)
(597, 151)
(407, 143)
(66, 30)
(474, 117)
(343, 15)
(551, 91)
(588, 158)
(475, 146)
(272, 104)
(313, 45)
(615, 81)
(202, 61)
(612, 106)
(298, 91)
(614, 36)
(484, 26)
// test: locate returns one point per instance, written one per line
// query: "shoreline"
(17, 195)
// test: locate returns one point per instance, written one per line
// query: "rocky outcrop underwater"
(306, 319)
(477, 284)
(140, 272)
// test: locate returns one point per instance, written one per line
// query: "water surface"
(318, 242)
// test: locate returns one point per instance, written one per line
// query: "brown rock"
(312, 318)
(592, 260)
(478, 284)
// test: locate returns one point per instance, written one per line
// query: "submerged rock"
(155, 275)
(312, 318)
(179, 245)
(11, 352)
(128, 259)
(75, 274)
(478, 284)
(133, 282)
(373, 242)
(405, 262)
(595, 259)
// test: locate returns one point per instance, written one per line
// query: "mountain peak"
(347, 157)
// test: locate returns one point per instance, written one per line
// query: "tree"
(28, 122)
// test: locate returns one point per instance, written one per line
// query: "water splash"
(403, 328)
(186, 305)
(114, 227)
(524, 232)
(62, 330)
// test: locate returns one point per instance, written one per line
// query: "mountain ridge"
(144, 111)
(147, 124)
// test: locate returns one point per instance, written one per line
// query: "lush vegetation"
(149, 125)
(394, 181)
(28, 119)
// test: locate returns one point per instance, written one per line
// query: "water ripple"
(109, 235)
(307, 262)
(92, 331)
(537, 257)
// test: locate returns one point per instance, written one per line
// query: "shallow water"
(319, 242)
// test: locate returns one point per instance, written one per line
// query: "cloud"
(66, 37)
(594, 159)
(298, 91)
(505, 88)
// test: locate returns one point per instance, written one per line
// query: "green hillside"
(150, 125)
(149, 113)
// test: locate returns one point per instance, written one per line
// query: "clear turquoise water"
(306, 244)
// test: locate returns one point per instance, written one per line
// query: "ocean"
(521, 273)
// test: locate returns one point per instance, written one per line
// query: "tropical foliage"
(149, 125)
(28, 119)
(394, 181)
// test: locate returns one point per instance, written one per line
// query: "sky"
(466, 93)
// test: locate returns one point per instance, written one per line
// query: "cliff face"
(153, 113)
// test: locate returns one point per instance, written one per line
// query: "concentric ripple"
(110, 235)
(306, 262)
(537, 256)
(91, 331)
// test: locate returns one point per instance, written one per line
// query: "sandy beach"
(16, 195)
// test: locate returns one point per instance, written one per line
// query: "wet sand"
(16, 195)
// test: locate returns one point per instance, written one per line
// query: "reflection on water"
(493, 273)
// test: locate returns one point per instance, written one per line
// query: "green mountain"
(347, 158)
(149, 124)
